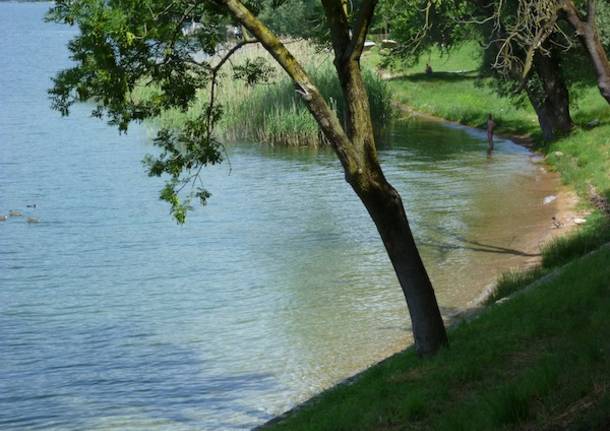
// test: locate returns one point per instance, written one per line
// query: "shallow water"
(112, 317)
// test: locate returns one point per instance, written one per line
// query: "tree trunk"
(354, 145)
(385, 207)
(599, 58)
(589, 36)
(550, 98)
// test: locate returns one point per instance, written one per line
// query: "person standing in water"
(491, 124)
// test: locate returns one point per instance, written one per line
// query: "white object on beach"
(580, 221)
(549, 199)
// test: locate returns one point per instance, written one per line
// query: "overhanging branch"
(214, 80)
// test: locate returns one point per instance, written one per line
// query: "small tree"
(126, 43)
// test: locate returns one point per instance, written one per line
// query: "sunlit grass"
(457, 93)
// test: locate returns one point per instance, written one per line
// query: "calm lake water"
(112, 317)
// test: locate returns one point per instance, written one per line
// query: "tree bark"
(381, 200)
(385, 207)
(355, 148)
(552, 104)
(589, 36)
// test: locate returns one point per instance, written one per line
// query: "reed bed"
(273, 113)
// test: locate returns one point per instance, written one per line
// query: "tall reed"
(273, 113)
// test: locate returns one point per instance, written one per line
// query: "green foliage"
(253, 71)
(185, 151)
(296, 18)
(420, 25)
(138, 60)
(302, 18)
(129, 43)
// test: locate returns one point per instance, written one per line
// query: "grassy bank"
(536, 362)
(272, 112)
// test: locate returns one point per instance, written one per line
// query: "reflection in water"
(112, 317)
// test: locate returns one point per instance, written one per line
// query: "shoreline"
(565, 204)
(521, 140)
(565, 211)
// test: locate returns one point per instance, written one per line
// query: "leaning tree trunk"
(550, 97)
(354, 144)
(386, 209)
(599, 58)
(384, 203)
(589, 36)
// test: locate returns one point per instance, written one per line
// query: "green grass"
(578, 243)
(457, 93)
(536, 361)
(585, 159)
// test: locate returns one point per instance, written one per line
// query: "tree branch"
(325, 117)
(214, 79)
(573, 17)
(354, 51)
(338, 23)
(591, 9)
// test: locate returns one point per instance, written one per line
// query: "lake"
(112, 317)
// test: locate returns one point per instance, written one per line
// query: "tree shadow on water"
(458, 242)
(478, 247)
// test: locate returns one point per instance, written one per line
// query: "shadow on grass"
(466, 75)
(584, 117)
(439, 76)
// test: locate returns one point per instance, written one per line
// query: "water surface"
(112, 317)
